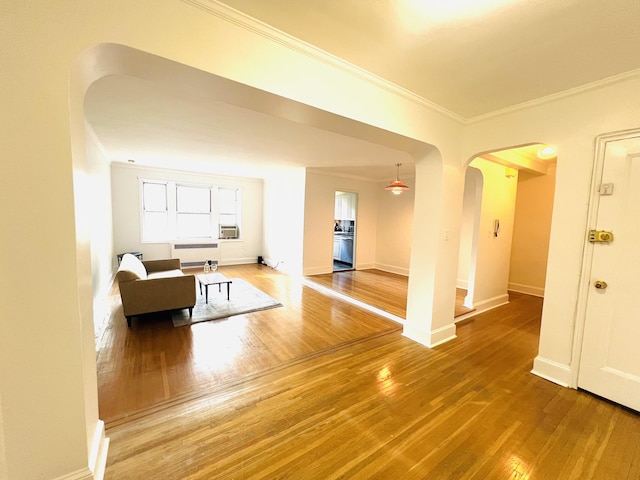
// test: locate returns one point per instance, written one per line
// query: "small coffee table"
(207, 279)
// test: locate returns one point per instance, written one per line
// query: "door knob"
(600, 284)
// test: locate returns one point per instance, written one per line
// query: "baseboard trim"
(392, 269)
(238, 261)
(552, 371)
(527, 289)
(463, 284)
(365, 266)
(430, 339)
(97, 458)
(99, 450)
(82, 474)
(485, 305)
(317, 270)
(493, 302)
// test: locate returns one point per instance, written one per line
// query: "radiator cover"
(196, 253)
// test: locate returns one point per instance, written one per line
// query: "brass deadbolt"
(600, 236)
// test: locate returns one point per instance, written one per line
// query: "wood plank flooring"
(153, 363)
(383, 290)
(365, 404)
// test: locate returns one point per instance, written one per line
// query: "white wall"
(3, 458)
(571, 124)
(319, 212)
(98, 183)
(127, 223)
(467, 223)
(395, 229)
(283, 217)
(494, 253)
(44, 84)
(532, 227)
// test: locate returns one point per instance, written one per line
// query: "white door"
(610, 359)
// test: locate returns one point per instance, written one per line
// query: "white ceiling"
(165, 127)
(471, 57)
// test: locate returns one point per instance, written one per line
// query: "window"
(155, 211)
(193, 212)
(177, 211)
(228, 212)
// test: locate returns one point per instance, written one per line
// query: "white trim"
(463, 284)
(99, 450)
(555, 96)
(277, 36)
(587, 249)
(97, 458)
(172, 171)
(253, 25)
(493, 302)
(553, 371)
(392, 269)
(443, 334)
(82, 474)
(317, 270)
(238, 261)
(430, 339)
(365, 266)
(485, 305)
(527, 289)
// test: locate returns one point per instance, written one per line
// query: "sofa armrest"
(158, 294)
(162, 265)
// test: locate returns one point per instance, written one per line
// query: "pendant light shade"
(397, 186)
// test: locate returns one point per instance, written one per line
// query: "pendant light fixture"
(397, 186)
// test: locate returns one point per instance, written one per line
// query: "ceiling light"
(546, 152)
(397, 186)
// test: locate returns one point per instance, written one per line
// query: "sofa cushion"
(131, 268)
(166, 274)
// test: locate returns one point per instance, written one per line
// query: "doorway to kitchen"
(344, 231)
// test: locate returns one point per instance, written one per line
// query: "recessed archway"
(511, 241)
(105, 60)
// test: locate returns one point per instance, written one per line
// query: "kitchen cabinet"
(336, 248)
(346, 249)
(345, 207)
(343, 248)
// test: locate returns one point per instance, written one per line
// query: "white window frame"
(172, 210)
(143, 211)
(210, 190)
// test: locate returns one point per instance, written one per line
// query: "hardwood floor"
(333, 392)
(153, 363)
(383, 290)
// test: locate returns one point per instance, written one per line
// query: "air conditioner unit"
(228, 231)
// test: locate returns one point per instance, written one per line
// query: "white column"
(434, 252)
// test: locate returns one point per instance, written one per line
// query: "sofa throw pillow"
(131, 265)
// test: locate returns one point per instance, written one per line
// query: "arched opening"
(106, 63)
(512, 225)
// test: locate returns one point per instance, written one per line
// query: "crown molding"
(125, 165)
(556, 96)
(231, 15)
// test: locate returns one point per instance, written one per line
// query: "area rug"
(244, 298)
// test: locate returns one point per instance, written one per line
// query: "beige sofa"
(154, 286)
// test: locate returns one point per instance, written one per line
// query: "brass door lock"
(600, 236)
(600, 284)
